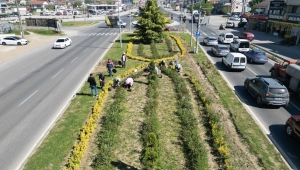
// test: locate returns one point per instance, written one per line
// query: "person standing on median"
(93, 85)
(123, 60)
(110, 66)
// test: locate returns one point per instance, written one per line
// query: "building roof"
(37, 2)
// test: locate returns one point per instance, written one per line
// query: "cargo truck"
(203, 19)
(288, 72)
(112, 20)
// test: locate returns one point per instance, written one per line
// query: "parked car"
(235, 61)
(18, 38)
(230, 25)
(256, 56)
(62, 43)
(13, 21)
(220, 50)
(247, 35)
(267, 91)
(13, 41)
(58, 13)
(28, 14)
(226, 37)
(210, 40)
(292, 126)
(240, 45)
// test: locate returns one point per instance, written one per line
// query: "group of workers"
(129, 81)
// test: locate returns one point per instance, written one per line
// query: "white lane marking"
(74, 59)
(94, 43)
(102, 33)
(85, 50)
(32, 70)
(28, 98)
(12, 82)
(204, 33)
(115, 33)
(57, 73)
(40, 65)
(295, 106)
(1, 88)
(23, 75)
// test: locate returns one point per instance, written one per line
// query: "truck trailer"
(288, 72)
(112, 20)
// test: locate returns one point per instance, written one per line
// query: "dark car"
(230, 25)
(267, 91)
(220, 50)
(256, 56)
(292, 126)
(247, 35)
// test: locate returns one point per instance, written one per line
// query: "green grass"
(17, 32)
(79, 23)
(44, 31)
(56, 147)
(258, 144)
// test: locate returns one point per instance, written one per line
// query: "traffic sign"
(248, 14)
(198, 34)
(183, 24)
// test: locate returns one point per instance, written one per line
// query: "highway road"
(36, 86)
(270, 119)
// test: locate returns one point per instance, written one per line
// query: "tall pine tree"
(150, 23)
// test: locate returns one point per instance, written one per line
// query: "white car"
(28, 14)
(13, 21)
(13, 40)
(134, 22)
(62, 43)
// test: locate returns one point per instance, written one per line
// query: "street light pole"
(199, 25)
(20, 21)
(129, 19)
(192, 23)
(120, 26)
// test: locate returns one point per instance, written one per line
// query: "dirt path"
(171, 153)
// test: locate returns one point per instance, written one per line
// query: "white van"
(226, 38)
(240, 45)
(235, 61)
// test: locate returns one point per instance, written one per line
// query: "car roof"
(258, 50)
(273, 83)
(237, 54)
(211, 37)
(62, 38)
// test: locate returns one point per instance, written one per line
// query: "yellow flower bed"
(87, 130)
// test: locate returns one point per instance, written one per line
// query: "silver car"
(210, 40)
(220, 50)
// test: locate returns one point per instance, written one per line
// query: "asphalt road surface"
(36, 86)
(271, 119)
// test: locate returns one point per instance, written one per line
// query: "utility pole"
(199, 25)
(181, 16)
(129, 19)
(192, 23)
(20, 21)
(120, 25)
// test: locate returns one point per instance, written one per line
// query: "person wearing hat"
(123, 59)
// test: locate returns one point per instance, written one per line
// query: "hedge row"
(151, 148)
(214, 123)
(178, 42)
(87, 130)
(140, 50)
(108, 137)
(195, 152)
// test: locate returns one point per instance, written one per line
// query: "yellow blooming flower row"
(178, 42)
(88, 128)
(217, 132)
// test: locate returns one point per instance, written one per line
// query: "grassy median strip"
(78, 23)
(257, 142)
(195, 151)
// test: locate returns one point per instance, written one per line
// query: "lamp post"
(199, 25)
(192, 23)
(20, 21)
(120, 26)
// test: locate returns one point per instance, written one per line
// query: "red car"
(246, 35)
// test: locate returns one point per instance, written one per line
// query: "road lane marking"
(85, 50)
(57, 73)
(12, 82)
(74, 59)
(32, 70)
(23, 75)
(28, 98)
(40, 65)
(94, 43)
(1, 88)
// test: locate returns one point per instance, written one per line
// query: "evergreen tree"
(151, 23)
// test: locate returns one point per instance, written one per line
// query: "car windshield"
(60, 40)
(260, 53)
(229, 36)
(244, 45)
(278, 90)
(212, 39)
(223, 48)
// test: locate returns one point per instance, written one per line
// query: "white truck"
(288, 72)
